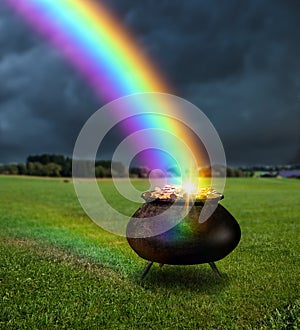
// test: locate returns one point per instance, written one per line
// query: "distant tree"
(52, 169)
(35, 168)
(118, 169)
(57, 159)
(85, 168)
(134, 171)
(229, 172)
(49, 165)
(22, 169)
(12, 169)
(238, 173)
(248, 174)
(144, 172)
(100, 171)
(45, 159)
(58, 165)
(66, 170)
(106, 165)
(103, 163)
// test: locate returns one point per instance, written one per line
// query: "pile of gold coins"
(172, 193)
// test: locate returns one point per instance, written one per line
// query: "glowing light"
(189, 187)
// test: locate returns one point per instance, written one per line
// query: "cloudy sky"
(238, 61)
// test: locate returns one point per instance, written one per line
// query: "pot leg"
(214, 268)
(146, 269)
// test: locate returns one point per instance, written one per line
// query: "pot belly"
(189, 241)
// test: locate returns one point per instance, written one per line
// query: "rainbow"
(91, 39)
(106, 55)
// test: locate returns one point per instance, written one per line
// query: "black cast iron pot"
(185, 242)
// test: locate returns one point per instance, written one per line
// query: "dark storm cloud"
(43, 102)
(13, 38)
(238, 61)
(213, 39)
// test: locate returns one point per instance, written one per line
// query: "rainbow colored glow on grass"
(87, 34)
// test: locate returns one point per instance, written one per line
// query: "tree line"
(41, 165)
(52, 165)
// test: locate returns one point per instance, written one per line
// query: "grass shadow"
(196, 278)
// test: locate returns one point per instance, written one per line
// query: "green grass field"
(58, 270)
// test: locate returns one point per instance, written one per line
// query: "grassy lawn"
(59, 270)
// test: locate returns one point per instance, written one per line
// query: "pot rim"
(181, 201)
